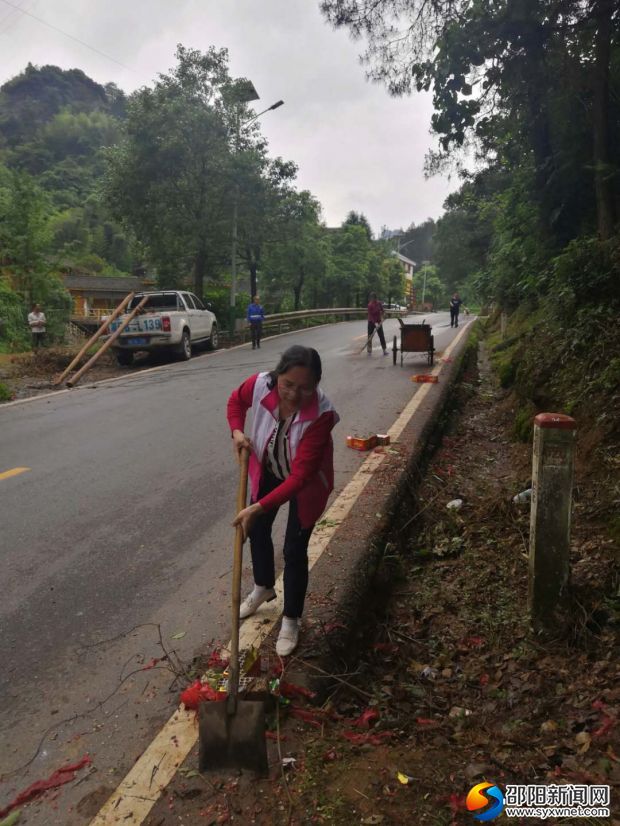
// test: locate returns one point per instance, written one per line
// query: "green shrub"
(507, 373)
(5, 394)
(586, 273)
(523, 427)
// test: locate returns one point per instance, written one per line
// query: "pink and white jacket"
(311, 479)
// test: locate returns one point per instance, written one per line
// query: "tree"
(358, 219)
(298, 260)
(351, 254)
(263, 187)
(394, 279)
(527, 87)
(428, 287)
(168, 181)
(25, 236)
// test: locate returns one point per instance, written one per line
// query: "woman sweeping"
(291, 460)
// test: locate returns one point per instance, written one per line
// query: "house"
(97, 295)
(408, 266)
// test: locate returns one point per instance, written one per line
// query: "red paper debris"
(375, 739)
(292, 690)
(607, 725)
(425, 721)
(484, 679)
(216, 660)
(63, 775)
(366, 718)
(272, 735)
(333, 626)
(457, 803)
(152, 664)
(309, 717)
(198, 692)
(386, 647)
(474, 642)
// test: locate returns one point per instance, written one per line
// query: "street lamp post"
(246, 94)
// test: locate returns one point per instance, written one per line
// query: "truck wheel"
(214, 339)
(184, 349)
(124, 357)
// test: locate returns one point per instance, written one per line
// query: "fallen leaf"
(584, 741)
(405, 779)
(179, 635)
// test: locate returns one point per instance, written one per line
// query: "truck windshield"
(157, 301)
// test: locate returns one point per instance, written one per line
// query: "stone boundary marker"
(550, 518)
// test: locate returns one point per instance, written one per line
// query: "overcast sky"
(356, 147)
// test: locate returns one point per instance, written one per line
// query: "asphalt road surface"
(121, 524)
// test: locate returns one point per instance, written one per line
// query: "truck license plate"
(136, 342)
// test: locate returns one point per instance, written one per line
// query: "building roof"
(404, 259)
(102, 283)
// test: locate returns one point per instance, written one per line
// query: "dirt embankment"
(32, 374)
(451, 688)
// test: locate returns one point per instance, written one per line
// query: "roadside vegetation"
(85, 188)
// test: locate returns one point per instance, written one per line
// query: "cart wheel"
(394, 351)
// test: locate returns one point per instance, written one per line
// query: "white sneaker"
(254, 600)
(386, 353)
(288, 637)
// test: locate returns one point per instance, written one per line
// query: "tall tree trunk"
(298, 286)
(537, 78)
(605, 206)
(253, 284)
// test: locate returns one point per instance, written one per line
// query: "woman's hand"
(247, 517)
(240, 441)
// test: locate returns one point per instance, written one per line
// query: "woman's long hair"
(297, 356)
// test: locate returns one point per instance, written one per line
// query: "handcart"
(414, 338)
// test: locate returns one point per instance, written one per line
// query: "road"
(122, 524)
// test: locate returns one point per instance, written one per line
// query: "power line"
(66, 34)
(9, 14)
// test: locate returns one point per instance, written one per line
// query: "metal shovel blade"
(232, 741)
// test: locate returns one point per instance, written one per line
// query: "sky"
(356, 148)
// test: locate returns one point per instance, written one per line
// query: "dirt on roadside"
(451, 687)
(33, 374)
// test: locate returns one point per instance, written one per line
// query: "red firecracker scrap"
(63, 775)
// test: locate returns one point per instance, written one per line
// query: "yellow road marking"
(13, 472)
(142, 787)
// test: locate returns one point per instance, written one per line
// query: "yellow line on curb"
(147, 779)
(13, 472)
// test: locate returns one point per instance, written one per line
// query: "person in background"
(455, 307)
(376, 315)
(36, 322)
(255, 316)
(291, 460)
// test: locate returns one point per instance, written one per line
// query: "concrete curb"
(343, 581)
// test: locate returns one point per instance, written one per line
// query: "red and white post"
(550, 519)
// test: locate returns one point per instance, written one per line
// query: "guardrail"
(282, 321)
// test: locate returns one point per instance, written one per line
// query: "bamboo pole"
(74, 379)
(99, 332)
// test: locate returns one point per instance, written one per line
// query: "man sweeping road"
(376, 314)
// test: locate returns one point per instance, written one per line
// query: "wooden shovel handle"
(242, 492)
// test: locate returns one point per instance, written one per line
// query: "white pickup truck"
(171, 321)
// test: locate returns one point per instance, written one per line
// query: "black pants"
(295, 552)
(371, 327)
(454, 317)
(256, 330)
(38, 339)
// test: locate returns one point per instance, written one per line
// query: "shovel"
(231, 733)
